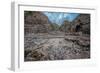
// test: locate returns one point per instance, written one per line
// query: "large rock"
(82, 23)
(36, 22)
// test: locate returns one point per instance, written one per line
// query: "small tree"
(66, 26)
(55, 27)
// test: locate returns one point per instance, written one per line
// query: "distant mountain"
(65, 27)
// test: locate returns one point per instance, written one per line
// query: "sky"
(59, 17)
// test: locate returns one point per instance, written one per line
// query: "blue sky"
(59, 17)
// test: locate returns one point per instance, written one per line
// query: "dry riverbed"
(56, 47)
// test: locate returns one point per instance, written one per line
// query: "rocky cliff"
(82, 23)
(36, 22)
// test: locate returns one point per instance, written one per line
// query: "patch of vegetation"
(55, 27)
(65, 26)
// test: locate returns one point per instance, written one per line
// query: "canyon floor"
(59, 46)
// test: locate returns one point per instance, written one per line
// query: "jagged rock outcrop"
(36, 22)
(82, 23)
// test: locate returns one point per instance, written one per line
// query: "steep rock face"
(36, 22)
(82, 23)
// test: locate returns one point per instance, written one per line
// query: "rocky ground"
(41, 47)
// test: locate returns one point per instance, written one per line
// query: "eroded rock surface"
(36, 22)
